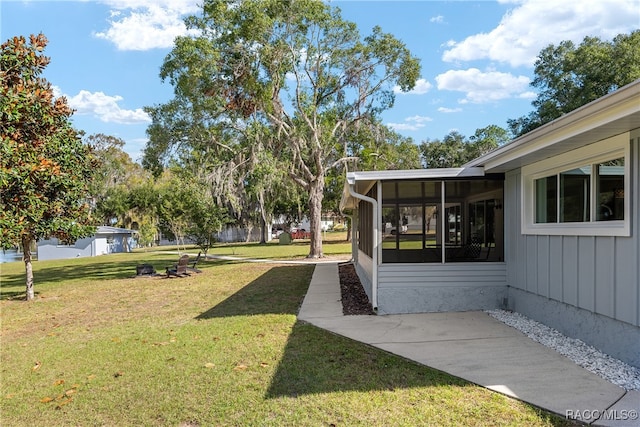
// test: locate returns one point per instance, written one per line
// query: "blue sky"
(477, 56)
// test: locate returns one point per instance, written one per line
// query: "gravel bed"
(586, 356)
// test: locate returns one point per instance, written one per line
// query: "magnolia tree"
(45, 169)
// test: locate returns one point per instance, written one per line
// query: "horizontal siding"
(365, 263)
(434, 275)
(599, 274)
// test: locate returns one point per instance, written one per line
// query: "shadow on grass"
(73, 271)
(46, 272)
(278, 291)
(317, 361)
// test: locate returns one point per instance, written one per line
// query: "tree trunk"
(316, 194)
(263, 219)
(349, 230)
(26, 251)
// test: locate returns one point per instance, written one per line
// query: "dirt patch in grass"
(354, 298)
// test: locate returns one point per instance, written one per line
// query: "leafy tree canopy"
(455, 149)
(294, 66)
(45, 169)
(569, 76)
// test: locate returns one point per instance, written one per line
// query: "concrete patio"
(480, 349)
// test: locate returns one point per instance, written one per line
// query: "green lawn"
(223, 348)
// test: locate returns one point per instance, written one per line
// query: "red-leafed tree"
(45, 169)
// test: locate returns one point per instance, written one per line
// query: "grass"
(333, 245)
(223, 347)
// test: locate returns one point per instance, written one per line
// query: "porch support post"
(443, 223)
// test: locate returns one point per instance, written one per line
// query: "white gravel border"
(586, 356)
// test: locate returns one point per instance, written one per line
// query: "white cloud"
(422, 86)
(480, 87)
(449, 110)
(106, 108)
(437, 19)
(146, 24)
(533, 24)
(411, 123)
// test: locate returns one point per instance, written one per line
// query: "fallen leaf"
(118, 374)
(160, 343)
(63, 402)
(70, 392)
(90, 377)
(209, 365)
(264, 365)
(36, 366)
(46, 399)
(59, 382)
(240, 367)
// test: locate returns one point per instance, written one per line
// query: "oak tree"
(296, 66)
(569, 76)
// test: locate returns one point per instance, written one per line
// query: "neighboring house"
(547, 225)
(107, 240)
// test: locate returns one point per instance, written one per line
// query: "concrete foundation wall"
(440, 298)
(618, 339)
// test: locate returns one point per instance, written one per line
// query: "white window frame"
(608, 149)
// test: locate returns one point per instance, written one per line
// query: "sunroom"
(429, 239)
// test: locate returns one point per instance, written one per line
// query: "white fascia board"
(620, 104)
(353, 177)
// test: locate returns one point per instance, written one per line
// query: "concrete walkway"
(480, 349)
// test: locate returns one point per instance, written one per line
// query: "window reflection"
(419, 229)
(610, 187)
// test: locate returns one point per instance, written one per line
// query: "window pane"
(610, 185)
(410, 190)
(410, 235)
(547, 200)
(575, 195)
(388, 190)
(389, 227)
(431, 225)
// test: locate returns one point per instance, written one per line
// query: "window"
(581, 192)
(417, 227)
(610, 190)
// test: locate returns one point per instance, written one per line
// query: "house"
(107, 240)
(547, 225)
